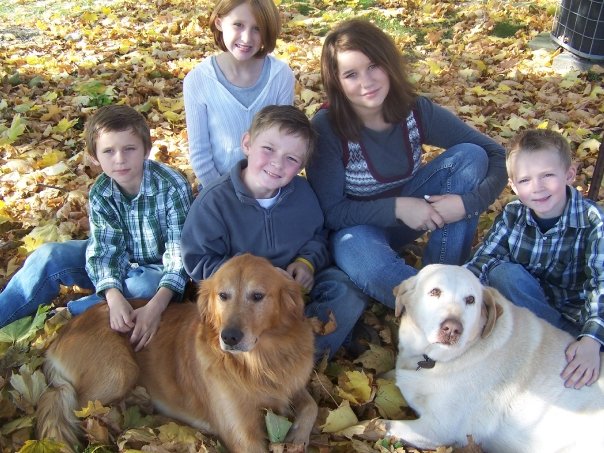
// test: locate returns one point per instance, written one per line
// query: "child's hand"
(120, 311)
(147, 318)
(450, 206)
(417, 214)
(302, 274)
(583, 357)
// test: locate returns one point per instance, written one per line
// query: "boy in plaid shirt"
(545, 251)
(137, 210)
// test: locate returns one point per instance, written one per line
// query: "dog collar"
(426, 363)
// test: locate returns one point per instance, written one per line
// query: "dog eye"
(470, 300)
(257, 297)
(436, 292)
(223, 296)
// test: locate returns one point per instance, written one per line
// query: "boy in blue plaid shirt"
(137, 210)
(545, 251)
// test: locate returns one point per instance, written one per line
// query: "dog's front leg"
(413, 433)
(305, 413)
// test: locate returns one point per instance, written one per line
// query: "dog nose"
(450, 330)
(231, 336)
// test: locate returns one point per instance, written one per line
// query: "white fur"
(503, 388)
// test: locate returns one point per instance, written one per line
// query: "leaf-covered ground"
(61, 59)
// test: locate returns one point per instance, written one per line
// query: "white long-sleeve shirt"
(216, 120)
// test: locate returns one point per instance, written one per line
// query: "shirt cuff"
(308, 263)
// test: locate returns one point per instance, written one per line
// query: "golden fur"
(243, 347)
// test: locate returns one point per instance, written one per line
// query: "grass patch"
(18, 11)
(394, 27)
(593, 76)
(309, 8)
(506, 29)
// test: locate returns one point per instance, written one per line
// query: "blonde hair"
(288, 119)
(534, 140)
(267, 18)
(116, 118)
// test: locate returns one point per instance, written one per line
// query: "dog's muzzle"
(450, 331)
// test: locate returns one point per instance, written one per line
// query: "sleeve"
(326, 174)
(494, 249)
(285, 88)
(444, 129)
(594, 285)
(314, 251)
(206, 246)
(196, 115)
(107, 260)
(178, 205)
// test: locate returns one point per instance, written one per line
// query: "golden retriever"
(472, 363)
(244, 347)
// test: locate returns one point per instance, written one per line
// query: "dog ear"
(292, 298)
(400, 291)
(203, 298)
(492, 308)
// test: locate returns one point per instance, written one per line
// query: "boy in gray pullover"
(263, 207)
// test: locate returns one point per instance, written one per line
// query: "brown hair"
(534, 140)
(267, 19)
(289, 120)
(116, 118)
(363, 36)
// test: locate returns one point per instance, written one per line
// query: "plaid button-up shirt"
(567, 260)
(145, 230)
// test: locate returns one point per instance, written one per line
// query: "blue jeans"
(518, 285)
(367, 253)
(63, 263)
(333, 291)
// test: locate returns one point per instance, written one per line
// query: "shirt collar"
(147, 188)
(575, 214)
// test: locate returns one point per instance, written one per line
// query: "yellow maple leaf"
(389, 400)
(91, 409)
(169, 104)
(64, 125)
(42, 446)
(307, 95)
(434, 66)
(597, 90)
(377, 358)
(479, 91)
(173, 117)
(515, 122)
(339, 419)
(41, 235)
(173, 432)
(592, 145)
(89, 17)
(50, 158)
(4, 215)
(355, 386)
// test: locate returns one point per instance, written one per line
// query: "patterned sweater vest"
(362, 180)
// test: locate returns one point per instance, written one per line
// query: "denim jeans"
(63, 263)
(367, 253)
(518, 285)
(333, 291)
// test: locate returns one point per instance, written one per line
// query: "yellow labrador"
(472, 363)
